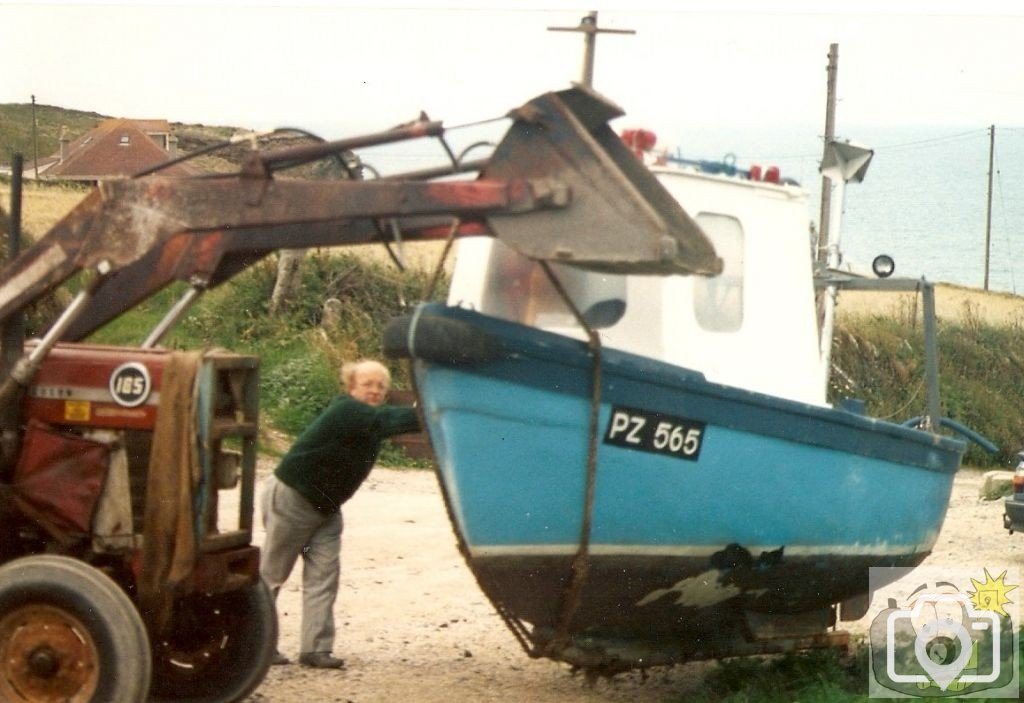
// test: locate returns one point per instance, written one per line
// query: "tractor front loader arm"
(560, 186)
(151, 231)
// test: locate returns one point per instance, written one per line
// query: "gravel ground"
(414, 626)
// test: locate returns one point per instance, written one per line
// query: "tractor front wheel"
(68, 633)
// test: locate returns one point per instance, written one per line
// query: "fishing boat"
(645, 469)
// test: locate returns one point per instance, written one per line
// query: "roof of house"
(153, 126)
(116, 148)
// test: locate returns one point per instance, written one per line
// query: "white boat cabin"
(755, 326)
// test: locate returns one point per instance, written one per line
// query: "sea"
(925, 200)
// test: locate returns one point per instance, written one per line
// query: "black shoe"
(320, 660)
(279, 660)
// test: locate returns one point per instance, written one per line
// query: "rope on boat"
(581, 560)
(429, 292)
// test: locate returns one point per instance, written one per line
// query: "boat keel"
(641, 611)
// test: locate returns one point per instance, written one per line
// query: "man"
(302, 499)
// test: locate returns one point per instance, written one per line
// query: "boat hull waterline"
(712, 506)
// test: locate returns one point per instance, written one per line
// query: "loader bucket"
(621, 219)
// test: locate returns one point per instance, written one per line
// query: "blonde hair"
(350, 369)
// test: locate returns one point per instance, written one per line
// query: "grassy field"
(16, 129)
(43, 205)
(879, 358)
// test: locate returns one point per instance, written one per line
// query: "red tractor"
(122, 561)
(127, 564)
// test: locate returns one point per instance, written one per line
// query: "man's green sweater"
(334, 455)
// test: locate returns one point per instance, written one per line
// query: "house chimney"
(64, 140)
(172, 146)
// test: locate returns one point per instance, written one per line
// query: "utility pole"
(35, 144)
(12, 331)
(988, 210)
(588, 26)
(830, 133)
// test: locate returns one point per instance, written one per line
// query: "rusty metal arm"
(153, 231)
(262, 164)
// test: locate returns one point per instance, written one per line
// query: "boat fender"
(438, 339)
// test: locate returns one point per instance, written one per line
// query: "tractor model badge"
(130, 384)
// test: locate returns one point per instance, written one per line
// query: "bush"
(981, 376)
(296, 388)
(299, 354)
(816, 675)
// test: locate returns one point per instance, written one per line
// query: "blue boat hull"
(709, 508)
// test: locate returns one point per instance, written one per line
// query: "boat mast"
(588, 26)
(830, 134)
(841, 163)
(826, 297)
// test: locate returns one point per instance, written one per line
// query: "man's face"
(370, 386)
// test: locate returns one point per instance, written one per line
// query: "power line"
(1006, 229)
(934, 140)
(892, 147)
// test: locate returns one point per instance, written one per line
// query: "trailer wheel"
(68, 633)
(219, 648)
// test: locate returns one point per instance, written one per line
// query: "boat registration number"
(655, 432)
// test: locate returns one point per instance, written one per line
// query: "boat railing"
(838, 280)
(933, 419)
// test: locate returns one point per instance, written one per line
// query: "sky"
(710, 77)
(340, 68)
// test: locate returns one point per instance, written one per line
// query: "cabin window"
(718, 300)
(516, 288)
(125, 140)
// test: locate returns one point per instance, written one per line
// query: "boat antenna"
(588, 26)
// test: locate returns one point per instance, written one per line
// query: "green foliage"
(16, 128)
(392, 454)
(296, 388)
(819, 676)
(300, 353)
(234, 315)
(816, 676)
(880, 360)
(133, 328)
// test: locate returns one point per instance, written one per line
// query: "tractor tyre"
(68, 633)
(218, 649)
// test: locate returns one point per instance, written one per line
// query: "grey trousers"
(295, 527)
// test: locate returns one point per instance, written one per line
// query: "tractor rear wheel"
(68, 633)
(218, 649)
